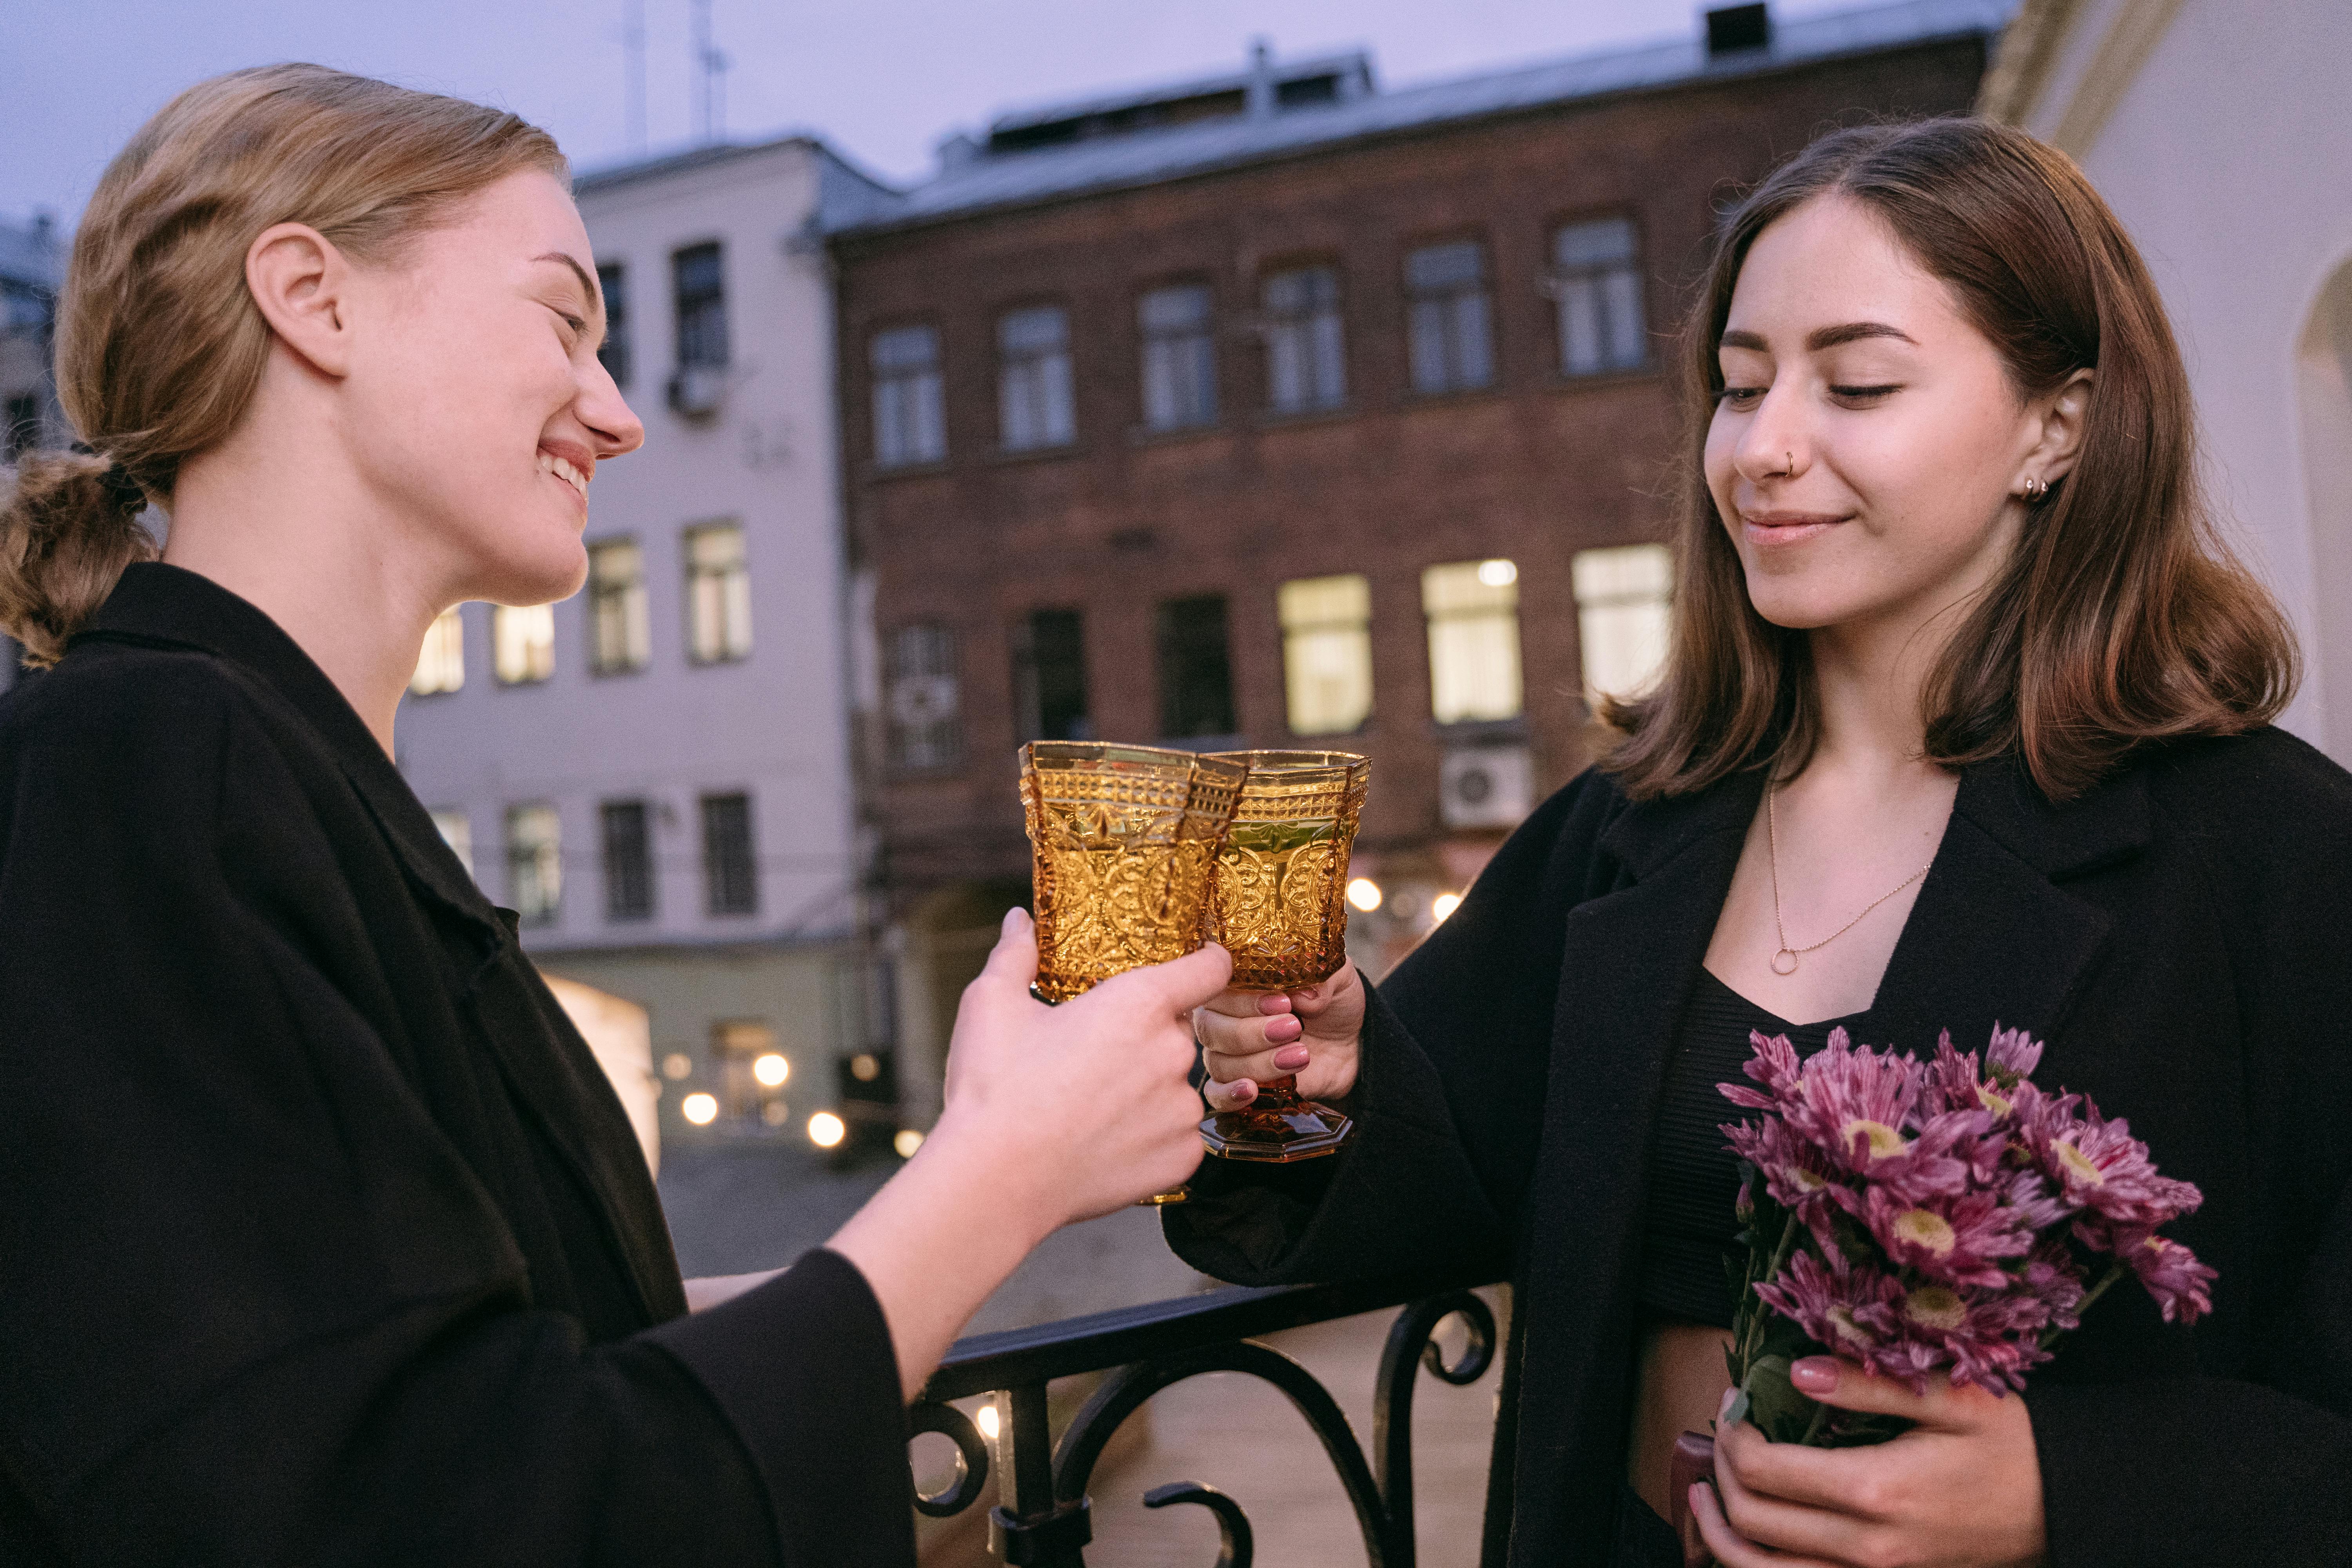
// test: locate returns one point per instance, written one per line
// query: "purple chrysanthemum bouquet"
(1930, 1217)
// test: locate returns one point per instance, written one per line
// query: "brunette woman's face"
(484, 408)
(1868, 444)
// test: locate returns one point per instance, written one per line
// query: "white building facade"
(656, 775)
(2215, 130)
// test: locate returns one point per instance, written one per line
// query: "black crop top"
(1694, 1180)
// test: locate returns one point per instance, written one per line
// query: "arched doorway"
(2324, 388)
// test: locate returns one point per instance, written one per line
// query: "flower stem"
(1813, 1428)
(2115, 1271)
(1753, 1341)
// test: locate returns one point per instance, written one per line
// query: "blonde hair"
(160, 344)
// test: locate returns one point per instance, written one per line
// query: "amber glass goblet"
(1279, 904)
(1123, 840)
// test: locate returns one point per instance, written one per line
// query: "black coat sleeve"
(253, 1309)
(2245, 1456)
(1448, 1102)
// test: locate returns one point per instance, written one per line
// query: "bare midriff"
(1679, 1382)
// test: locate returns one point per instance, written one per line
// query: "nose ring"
(1791, 469)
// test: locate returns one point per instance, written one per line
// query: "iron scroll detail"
(1043, 1517)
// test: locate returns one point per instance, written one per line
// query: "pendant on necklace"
(1791, 967)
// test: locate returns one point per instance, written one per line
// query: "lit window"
(534, 862)
(1196, 674)
(730, 869)
(909, 421)
(718, 594)
(628, 860)
(456, 831)
(1049, 675)
(741, 1045)
(1326, 653)
(1033, 390)
(612, 279)
(619, 639)
(1597, 282)
(1473, 640)
(701, 300)
(1180, 360)
(925, 732)
(1305, 349)
(1623, 595)
(441, 663)
(524, 640)
(1453, 350)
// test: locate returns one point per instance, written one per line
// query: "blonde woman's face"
(1867, 444)
(484, 408)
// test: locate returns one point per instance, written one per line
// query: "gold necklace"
(1773, 853)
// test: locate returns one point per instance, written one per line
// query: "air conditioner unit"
(1485, 786)
(695, 389)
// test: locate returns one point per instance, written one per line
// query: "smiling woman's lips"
(1786, 528)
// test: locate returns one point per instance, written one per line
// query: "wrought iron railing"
(1041, 1517)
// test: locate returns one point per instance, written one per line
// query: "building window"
(701, 297)
(1306, 354)
(1049, 675)
(718, 594)
(441, 662)
(909, 418)
(613, 351)
(1453, 346)
(1034, 386)
(629, 859)
(750, 1092)
(534, 862)
(619, 637)
(1326, 653)
(457, 830)
(1597, 281)
(1180, 358)
(926, 734)
(1196, 675)
(524, 642)
(20, 427)
(1473, 640)
(731, 872)
(1623, 596)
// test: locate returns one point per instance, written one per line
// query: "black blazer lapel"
(1632, 957)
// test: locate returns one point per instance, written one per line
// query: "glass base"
(1277, 1127)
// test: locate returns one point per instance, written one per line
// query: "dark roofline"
(1729, 69)
(1020, 119)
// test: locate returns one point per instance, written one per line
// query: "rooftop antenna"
(710, 70)
(633, 54)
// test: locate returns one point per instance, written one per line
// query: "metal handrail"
(1042, 1517)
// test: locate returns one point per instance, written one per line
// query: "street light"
(1364, 893)
(907, 1142)
(825, 1129)
(772, 1071)
(702, 1110)
(1443, 905)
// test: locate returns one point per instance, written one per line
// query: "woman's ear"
(2062, 414)
(302, 285)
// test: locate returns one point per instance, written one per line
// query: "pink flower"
(1830, 1305)
(2013, 1056)
(1774, 1065)
(1954, 1150)
(1955, 1078)
(1955, 1241)
(1987, 1338)
(2098, 1165)
(2052, 1277)
(1793, 1171)
(1856, 1103)
(2170, 1272)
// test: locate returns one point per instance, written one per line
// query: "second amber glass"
(1279, 905)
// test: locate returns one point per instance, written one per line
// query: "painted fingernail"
(1276, 1003)
(1290, 1059)
(1284, 1028)
(1728, 1396)
(1243, 1091)
(1815, 1375)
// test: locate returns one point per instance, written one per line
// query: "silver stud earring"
(2035, 490)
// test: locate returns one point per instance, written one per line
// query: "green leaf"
(1779, 1412)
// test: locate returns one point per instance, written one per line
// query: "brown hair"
(160, 345)
(2121, 619)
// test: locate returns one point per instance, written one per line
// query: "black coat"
(323, 1238)
(2179, 937)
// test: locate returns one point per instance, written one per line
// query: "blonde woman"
(321, 1238)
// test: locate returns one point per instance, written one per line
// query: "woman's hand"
(1053, 1114)
(1961, 1489)
(1315, 1031)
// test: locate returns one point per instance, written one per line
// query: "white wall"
(773, 724)
(2228, 154)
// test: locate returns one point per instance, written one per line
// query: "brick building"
(1276, 409)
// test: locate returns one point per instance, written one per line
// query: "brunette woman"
(322, 1240)
(1965, 720)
